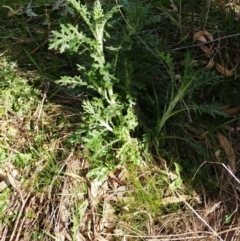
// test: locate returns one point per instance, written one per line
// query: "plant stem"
(182, 91)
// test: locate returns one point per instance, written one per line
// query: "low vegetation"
(119, 120)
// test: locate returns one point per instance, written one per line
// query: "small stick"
(217, 39)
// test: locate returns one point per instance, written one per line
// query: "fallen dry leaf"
(232, 60)
(203, 37)
(231, 110)
(226, 145)
(12, 12)
(220, 68)
(210, 64)
(109, 218)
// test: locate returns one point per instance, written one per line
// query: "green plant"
(178, 181)
(16, 94)
(107, 120)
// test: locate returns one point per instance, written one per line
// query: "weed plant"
(108, 119)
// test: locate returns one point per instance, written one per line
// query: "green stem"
(182, 91)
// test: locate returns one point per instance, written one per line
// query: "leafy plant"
(107, 121)
(16, 93)
(178, 181)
